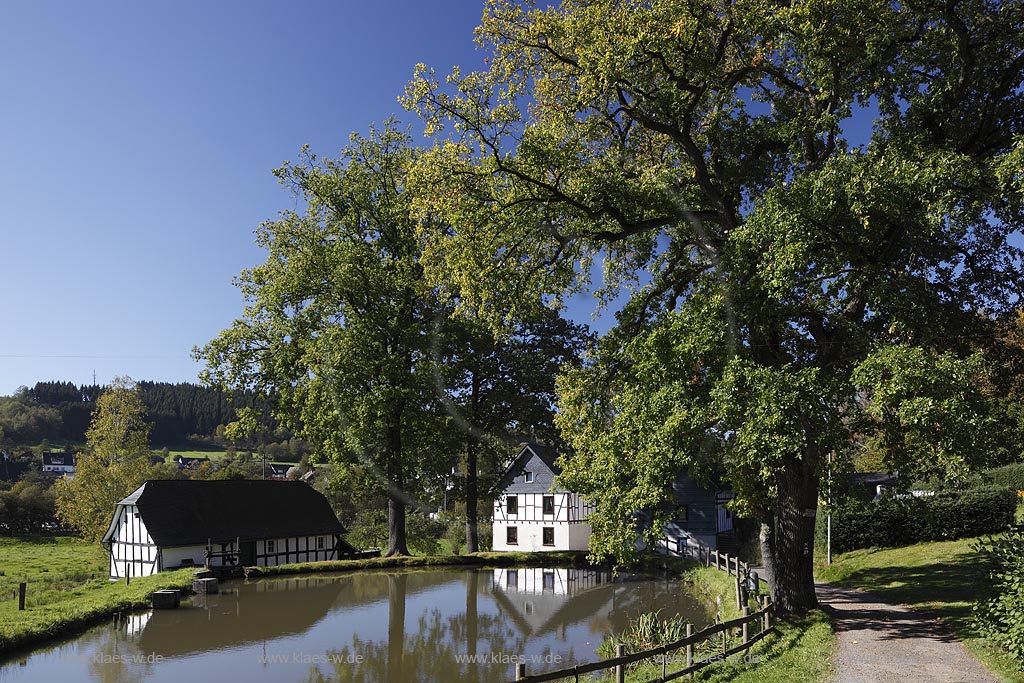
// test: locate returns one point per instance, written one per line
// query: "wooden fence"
(735, 635)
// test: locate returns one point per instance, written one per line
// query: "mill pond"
(470, 625)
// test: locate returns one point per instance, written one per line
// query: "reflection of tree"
(432, 653)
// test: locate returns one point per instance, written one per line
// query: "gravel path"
(883, 643)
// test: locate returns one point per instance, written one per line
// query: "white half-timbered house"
(167, 524)
(531, 513)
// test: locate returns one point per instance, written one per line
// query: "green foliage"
(339, 323)
(116, 464)
(904, 521)
(699, 153)
(1008, 476)
(24, 422)
(999, 614)
(27, 508)
(930, 414)
(648, 631)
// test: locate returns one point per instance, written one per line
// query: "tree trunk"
(787, 537)
(472, 541)
(397, 544)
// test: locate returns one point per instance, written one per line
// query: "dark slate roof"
(58, 459)
(534, 458)
(188, 512)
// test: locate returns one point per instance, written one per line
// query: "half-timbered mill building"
(167, 524)
(531, 513)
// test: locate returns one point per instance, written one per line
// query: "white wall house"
(531, 513)
(61, 463)
(167, 524)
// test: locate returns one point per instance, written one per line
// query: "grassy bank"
(799, 651)
(80, 608)
(941, 579)
(48, 563)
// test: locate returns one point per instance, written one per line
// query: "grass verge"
(78, 611)
(942, 580)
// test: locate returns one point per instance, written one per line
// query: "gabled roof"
(58, 459)
(189, 512)
(545, 455)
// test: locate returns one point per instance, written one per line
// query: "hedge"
(1010, 476)
(999, 614)
(893, 522)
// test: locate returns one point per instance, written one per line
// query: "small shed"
(167, 524)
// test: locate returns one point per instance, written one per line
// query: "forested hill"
(178, 412)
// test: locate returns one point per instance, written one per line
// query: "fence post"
(707, 556)
(739, 592)
(718, 560)
(520, 671)
(768, 612)
(689, 648)
(746, 625)
(620, 670)
(21, 595)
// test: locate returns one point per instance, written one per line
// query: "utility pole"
(828, 520)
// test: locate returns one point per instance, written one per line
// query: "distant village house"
(187, 463)
(61, 463)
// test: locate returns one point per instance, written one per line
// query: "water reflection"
(404, 626)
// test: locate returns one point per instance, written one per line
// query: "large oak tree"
(702, 152)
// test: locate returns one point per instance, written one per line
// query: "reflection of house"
(61, 463)
(265, 611)
(167, 524)
(542, 600)
(532, 513)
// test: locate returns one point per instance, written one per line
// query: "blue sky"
(138, 141)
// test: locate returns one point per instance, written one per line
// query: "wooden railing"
(744, 632)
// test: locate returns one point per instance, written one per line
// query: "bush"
(999, 615)
(892, 522)
(1009, 476)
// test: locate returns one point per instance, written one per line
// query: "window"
(319, 542)
(529, 477)
(512, 504)
(270, 547)
(549, 505)
(548, 534)
(682, 513)
(512, 535)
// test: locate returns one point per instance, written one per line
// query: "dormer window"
(529, 477)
